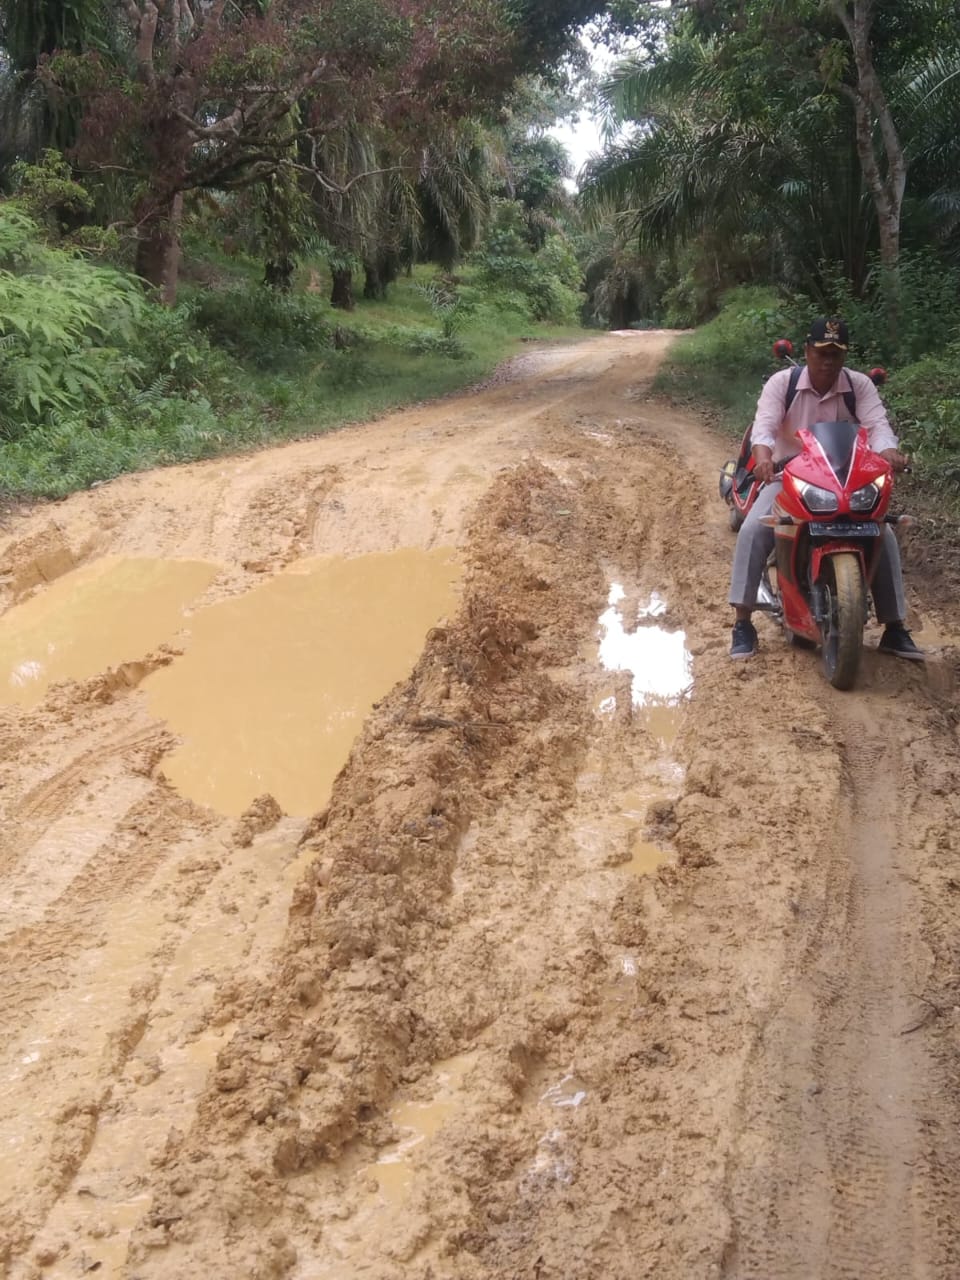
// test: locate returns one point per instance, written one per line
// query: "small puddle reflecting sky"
(659, 661)
(274, 685)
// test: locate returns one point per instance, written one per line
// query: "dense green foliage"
(358, 122)
(766, 143)
(97, 380)
(774, 161)
(216, 155)
(542, 285)
(65, 327)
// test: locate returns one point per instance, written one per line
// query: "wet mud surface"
(397, 880)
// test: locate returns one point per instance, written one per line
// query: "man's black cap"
(829, 333)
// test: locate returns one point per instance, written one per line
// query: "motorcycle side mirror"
(878, 376)
(782, 348)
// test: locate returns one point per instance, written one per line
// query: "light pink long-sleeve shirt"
(771, 428)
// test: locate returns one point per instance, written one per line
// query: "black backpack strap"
(850, 397)
(795, 373)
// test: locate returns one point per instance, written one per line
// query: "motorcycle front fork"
(768, 597)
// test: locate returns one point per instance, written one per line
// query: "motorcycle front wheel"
(846, 610)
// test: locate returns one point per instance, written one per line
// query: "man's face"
(824, 364)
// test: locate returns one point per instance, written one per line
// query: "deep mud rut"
(553, 981)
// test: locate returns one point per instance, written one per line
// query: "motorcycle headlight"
(865, 499)
(816, 499)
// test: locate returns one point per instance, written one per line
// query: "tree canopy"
(168, 97)
(823, 130)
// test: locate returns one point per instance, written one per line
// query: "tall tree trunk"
(341, 296)
(278, 274)
(374, 287)
(158, 244)
(619, 312)
(381, 272)
(885, 173)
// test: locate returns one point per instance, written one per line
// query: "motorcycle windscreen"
(837, 440)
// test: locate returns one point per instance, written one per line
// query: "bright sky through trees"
(582, 139)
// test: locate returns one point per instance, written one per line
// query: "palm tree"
(456, 176)
(386, 206)
(31, 30)
(692, 161)
(929, 101)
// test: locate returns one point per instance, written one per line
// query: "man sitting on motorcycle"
(822, 392)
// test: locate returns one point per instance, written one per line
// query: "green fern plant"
(62, 322)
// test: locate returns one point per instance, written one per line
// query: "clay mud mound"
(571, 976)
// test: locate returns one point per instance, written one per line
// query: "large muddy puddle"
(101, 615)
(274, 685)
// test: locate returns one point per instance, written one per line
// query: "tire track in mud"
(844, 1165)
(30, 816)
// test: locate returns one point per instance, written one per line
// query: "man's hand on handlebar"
(763, 463)
(897, 460)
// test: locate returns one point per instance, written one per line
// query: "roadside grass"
(266, 370)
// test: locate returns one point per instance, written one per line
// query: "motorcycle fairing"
(837, 441)
(793, 558)
(848, 447)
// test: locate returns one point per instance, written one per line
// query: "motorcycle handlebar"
(779, 466)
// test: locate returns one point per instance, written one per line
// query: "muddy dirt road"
(398, 880)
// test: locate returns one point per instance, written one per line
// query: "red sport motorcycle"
(738, 484)
(828, 522)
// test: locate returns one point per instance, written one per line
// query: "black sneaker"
(897, 640)
(744, 640)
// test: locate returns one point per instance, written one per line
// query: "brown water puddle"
(98, 616)
(367, 1209)
(274, 685)
(645, 857)
(416, 1122)
(661, 678)
(614, 841)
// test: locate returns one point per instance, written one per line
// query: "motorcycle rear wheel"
(843, 630)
